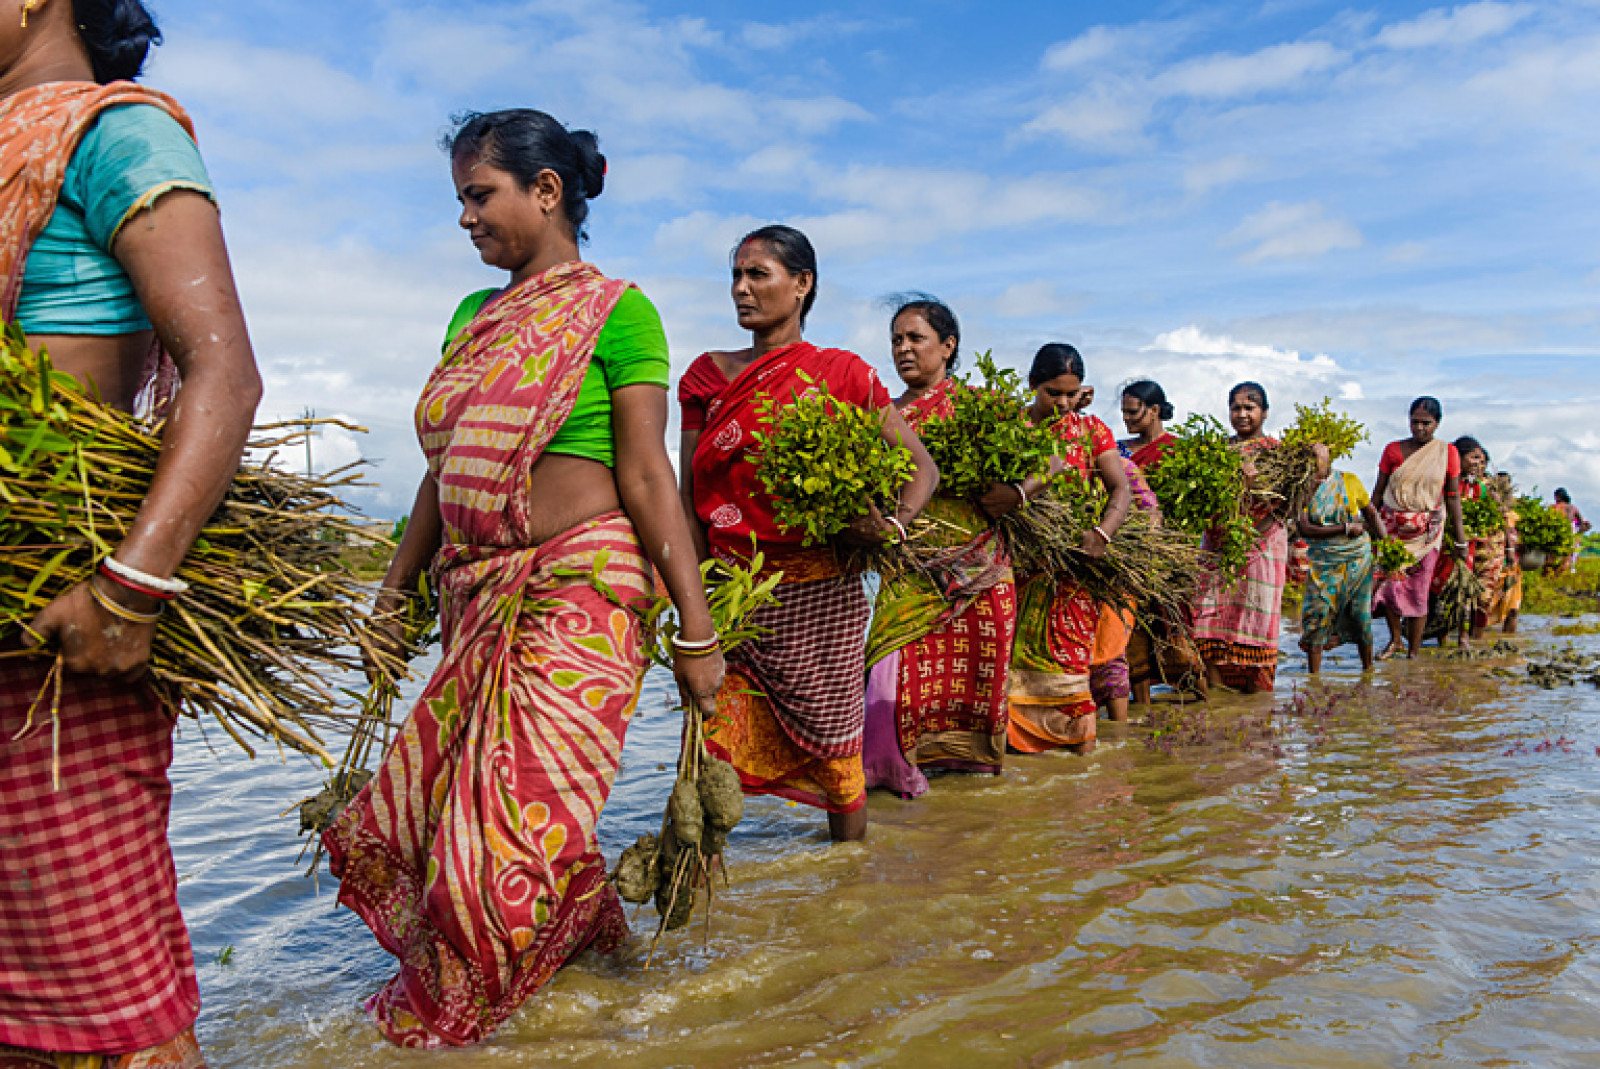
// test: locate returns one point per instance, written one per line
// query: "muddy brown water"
(1409, 879)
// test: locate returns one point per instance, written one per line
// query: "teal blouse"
(631, 349)
(71, 283)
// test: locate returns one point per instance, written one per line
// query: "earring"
(28, 8)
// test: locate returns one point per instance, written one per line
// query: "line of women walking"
(548, 514)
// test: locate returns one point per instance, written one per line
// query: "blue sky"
(1361, 202)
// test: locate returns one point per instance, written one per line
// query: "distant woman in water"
(548, 501)
(1236, 626)
(937, 656)
(1419, 497)
(1052, 702)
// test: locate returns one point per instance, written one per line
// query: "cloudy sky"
(1362, 202)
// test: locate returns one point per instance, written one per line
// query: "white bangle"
(1096, 529)
(1021, 489)
(898, 526)
(703, 646)
(134, 575)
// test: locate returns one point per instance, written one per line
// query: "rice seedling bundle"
(1393, 558)
(1286, 475)
(1482, 517)
(269, 620)
(1461, 594)
(1200, 483)
(823, 460)
(988, 437)
(1540, 527)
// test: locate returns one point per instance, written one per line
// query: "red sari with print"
(94, 955)
(790, 716)
(940, 647)
(472, 854)
(1051, 702)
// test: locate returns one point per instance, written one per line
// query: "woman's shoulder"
(126, 158)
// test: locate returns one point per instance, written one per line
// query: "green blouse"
(631, 349)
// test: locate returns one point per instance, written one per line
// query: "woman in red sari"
(791, 716)
(112, 258)
(548, 498)
(1052, 704)
(1236, 627)
(938, 649)
(1156, 652)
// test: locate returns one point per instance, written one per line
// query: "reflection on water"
(1392, 883)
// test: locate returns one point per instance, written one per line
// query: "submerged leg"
(848, 827)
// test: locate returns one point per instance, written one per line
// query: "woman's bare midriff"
(565, 491)
(110, 364)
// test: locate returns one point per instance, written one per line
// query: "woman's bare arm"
(175, 255)
(688, 442)
(650, 496)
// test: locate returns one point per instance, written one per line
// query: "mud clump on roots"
(721, 795)
(638, 873)
(319, 812)
(684, 811)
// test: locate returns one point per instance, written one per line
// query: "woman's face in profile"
(508, 224)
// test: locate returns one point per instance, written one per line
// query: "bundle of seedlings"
(1286, 476)
(1543, 529)
(824, 461)
(707, 800)
(1459, 597)
(988, 437)
(1482, 517)
(1392, 559)
(1201, 486)
(269, 618)
(1150, 566)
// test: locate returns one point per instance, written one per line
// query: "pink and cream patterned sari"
(472, 853)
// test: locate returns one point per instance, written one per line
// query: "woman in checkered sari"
(791, 715)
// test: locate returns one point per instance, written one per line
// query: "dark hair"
(793, 250)
(1467, 444)
(1250, 389)
(524, 143)
(939, 317)
(1151, 395)
(1053, 360)
(1562, 496)
(118, 35)
(1430, 405)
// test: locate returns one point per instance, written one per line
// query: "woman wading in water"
(1051, 702)
(548, 497)
(792, 713)
(1419, 488)
(112, 258)
(1236, 627)
(937, 656)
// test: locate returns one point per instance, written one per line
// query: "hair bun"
(117, 35)
(1167, 411)
(592, 164)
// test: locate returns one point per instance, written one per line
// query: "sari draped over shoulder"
(1236, 627)
(791, 714)
(472, 853)
(94, 955)
(1413, 511)
(1338, 594)
(1051, 701)
(940, 643)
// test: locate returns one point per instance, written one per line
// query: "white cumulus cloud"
(1293, 232)
(1452, 27)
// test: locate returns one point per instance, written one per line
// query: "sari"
(1506, 596)
(1236, 627)
(94, 955)
(1488, 556)
(939, 647)
(1158, 649)
(472, 853)
(1109, 678)
(791, 714)
(1338, 594)
(1413, 511)
(1052, 703)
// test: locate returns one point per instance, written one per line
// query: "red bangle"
(137, 588)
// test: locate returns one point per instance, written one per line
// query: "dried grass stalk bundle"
(1286, 476)
(1153, 567)
(1461, 595)
(270, 617)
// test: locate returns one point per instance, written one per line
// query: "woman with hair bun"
(548, 498)
(937, 655)
(1418, 493)
(112, 258)
(1236, 628)
(792, 715)
(1052, 700)
(1146, 412)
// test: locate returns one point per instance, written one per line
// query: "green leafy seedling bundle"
(988, 438)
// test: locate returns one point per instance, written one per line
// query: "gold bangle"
(708, 651)
(121, 612)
